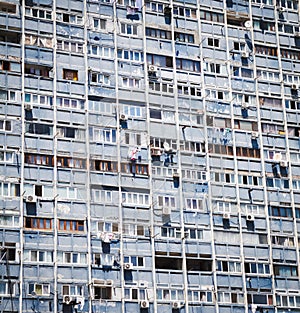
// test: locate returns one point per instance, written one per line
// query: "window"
(38, 159)
(280, 211)
(5, 125)
(67, 192)
(131, 82)
(37, 99)
(72, 290)
(250, 180)
(134, 139)
(184, 37)
(189, 90)
(269, 76)
(71, 225)
(215, 68)
(223, 207)
(135, 169)
(166, 201)
(105, 196)
(69, 103)
(130, 55)
(39, 129)
(9, 8)
(194, 147)
(231, 297)
(229, 266)
(285, 270)
(257, 268)
(223, 177)
(99, 24)
(196, 296)
(283, 241)
(101, 51)
(38, 41)
(8, 252)
(7, 288)
(247, 152)
(135, 230)
(74, 258)
(70, 46)
(9, 189)
(38, 223)
(99, 106)
(38, 256)
(136, 261)
(38, 13)
(188, 65)
(69, 18)
(158, 33)
(71, 162)
(4, 65)
(157, 86)
(159, 60)
(213, 42)
(105, 166)
(9, 95)
(39, 289)
(194, 204)
(134, 294)
(170, 232)
(104, 259)
(211, 16)
(169, 294)
(155, 7)
(70, 132)
(288, 300)
(132, 110)
(37, 70)
(185, 12)
(132, 198)
(266, 50)
(278, 183)
(70, 75)
(128, 29)
(104, 226)
(100, 78)
(193, 233)
(9, 221)
(106, 135)
(104, 293)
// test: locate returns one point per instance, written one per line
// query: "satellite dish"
(166, 146)
(248, 24)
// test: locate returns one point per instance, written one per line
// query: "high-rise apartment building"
(149, 156)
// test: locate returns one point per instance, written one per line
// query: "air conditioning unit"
(67, 299)
(250, 217)
(254, 135)
(226, 216)
(176, 305)
(156, 151)
(152, 68)
(248, 24)
(128, 266)
(166, 210)
(284, 163)
(123, 117)
(30, 198)
(144, 304)
(245, 54)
